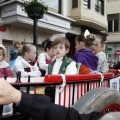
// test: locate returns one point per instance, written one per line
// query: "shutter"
(8, 46)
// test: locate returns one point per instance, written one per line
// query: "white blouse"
(42, 60)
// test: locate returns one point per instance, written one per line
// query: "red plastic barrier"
(113, 70)
(58, 78)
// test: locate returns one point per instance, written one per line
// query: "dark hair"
(47, 44)
(26, 48)
(100, 37)
(88, 40)
(62, 40)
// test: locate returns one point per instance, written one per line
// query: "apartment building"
(113, 40)
(88, 14)
(64, 18)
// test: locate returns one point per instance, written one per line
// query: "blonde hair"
(16, 42)
(26, 48)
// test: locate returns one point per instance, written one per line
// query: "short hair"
(88, 40)
(61, 40)
(26, 48)
(47, 44)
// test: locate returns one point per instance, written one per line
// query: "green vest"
(65, 62)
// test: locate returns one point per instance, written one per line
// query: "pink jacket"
(6, 72)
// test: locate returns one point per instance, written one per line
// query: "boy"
(62, 64)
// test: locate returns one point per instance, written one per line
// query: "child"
(85, 57)
(45, 58)
(5, 70)
(62, 64)
(14, 53)
(26, 63)
(97, 48)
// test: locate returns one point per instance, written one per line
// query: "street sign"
(118, 52)
(2, 28)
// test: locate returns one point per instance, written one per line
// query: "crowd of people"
(87, 59)
(114, 65)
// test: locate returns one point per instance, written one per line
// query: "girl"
(85, 57)
(5, 70)
(45, 58)
(14, 53)
(26, 63)
(97, 48)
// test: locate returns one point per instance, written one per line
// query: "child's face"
(60, 50)
(32, 54)
(1, 55)
(97, 46)
(17, 45)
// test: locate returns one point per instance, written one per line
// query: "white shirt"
(42, 60)
(71, 68)
(20, 64)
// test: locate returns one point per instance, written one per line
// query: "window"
(87, 4)
(74, 3)
(52, 4)
(112, 25)
(99, 6)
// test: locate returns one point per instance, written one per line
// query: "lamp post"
(35, 10)
(35, 32)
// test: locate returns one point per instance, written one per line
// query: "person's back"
(62, 64)
(26, 64)
(85, 58)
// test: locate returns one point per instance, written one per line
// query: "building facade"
(64, 18)
(113, 40)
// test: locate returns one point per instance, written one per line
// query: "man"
(39, 107)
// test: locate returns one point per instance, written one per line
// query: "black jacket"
(39, 107)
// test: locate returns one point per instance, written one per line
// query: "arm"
(42, 61)
(71, 68)
(19, 67)
(39, 107)
(9, 72)
(14, 51)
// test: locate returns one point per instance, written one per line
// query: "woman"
(85, 57)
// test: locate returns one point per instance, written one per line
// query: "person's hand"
(8, 94)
